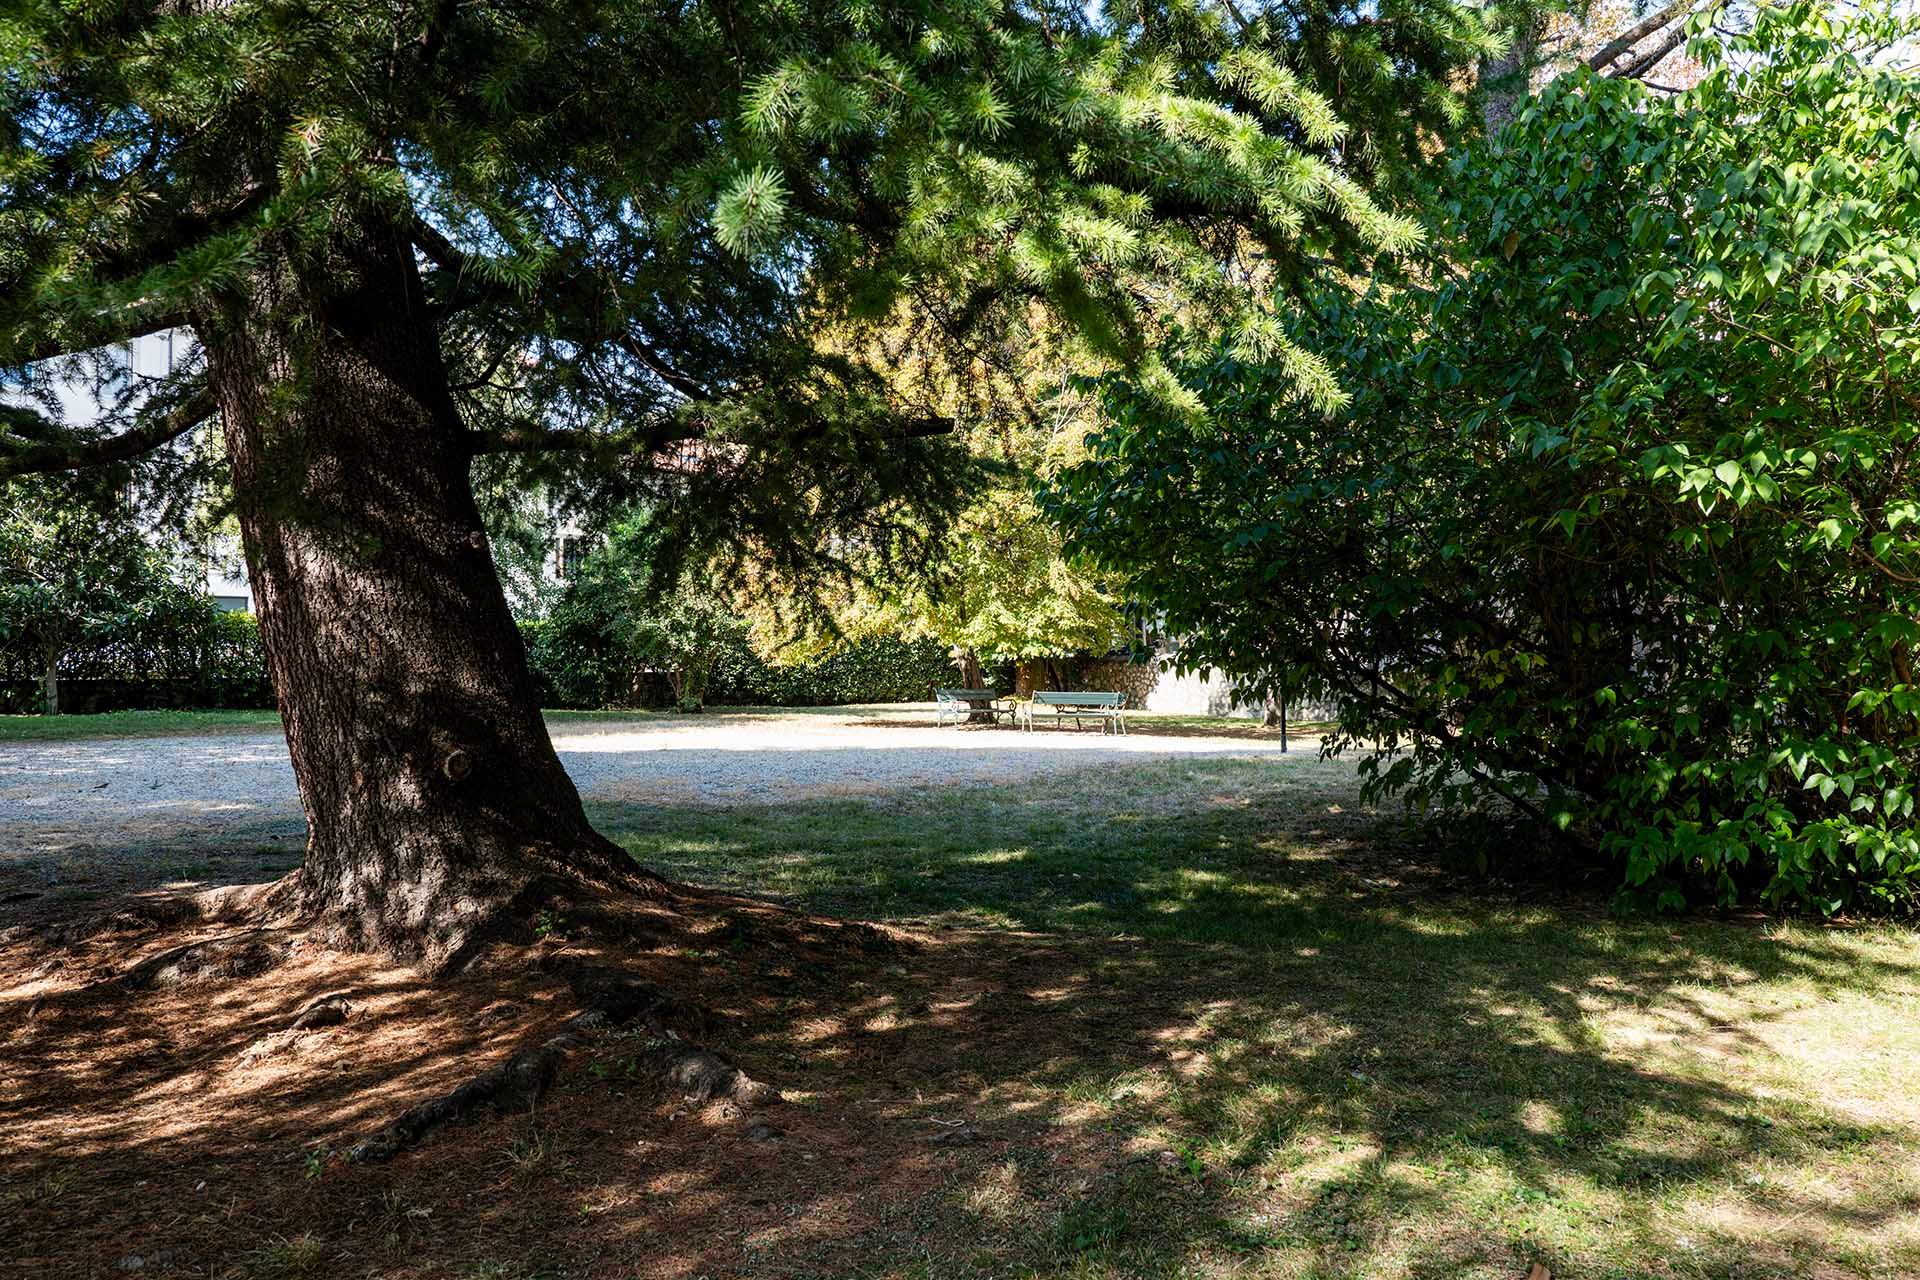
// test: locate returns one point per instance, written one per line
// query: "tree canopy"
(74, 567)
(633, 228)
(608, 238)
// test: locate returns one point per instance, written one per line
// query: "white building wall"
(1195, 695)
(223, 574)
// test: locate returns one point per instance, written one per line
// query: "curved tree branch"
(1652, 58)
(574, 288)
(140, 326)
(73, 454)
(524, 437)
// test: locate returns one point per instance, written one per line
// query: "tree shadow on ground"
(1320, 1040)
(1196, 1018)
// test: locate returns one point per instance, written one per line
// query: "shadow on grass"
(1316, 1056)
(1195, 1016)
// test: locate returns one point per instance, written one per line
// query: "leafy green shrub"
(576, 666)
(1620, 522)
(178, 650)
(88, 598)
(874, 670)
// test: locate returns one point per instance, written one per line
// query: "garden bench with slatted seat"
(959, 705)
(1107, 708)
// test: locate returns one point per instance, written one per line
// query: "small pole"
(1283, 725)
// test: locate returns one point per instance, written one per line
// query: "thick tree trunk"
(1506, 79)
(971, 677)
(437, 809)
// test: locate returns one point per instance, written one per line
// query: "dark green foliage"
(879, 669)
(1621, 522)
(87, 595)
(629, 614)
(180, 650)
(578, 665)
(637, 223)
(626, 633)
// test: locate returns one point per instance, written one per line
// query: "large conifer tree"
(407, 233)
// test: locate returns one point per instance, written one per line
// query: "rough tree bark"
(50, 679)
(437, 809)
(971, 677)
(1507, 77)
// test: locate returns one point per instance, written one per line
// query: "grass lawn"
(133, 724)
(1196, 1016)
(1329, 1057)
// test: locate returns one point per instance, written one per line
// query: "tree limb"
(1607, 54)
(1652, 57)
(449, 257)
(431, 241)
(142, 327)
(522, 437)
(76, 454)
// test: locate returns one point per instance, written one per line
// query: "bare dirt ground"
(79, 819)
(191, 1133)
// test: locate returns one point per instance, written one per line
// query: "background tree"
(406, 235)
(995, 585)
(74, 567)
(625, 619)
(1620, 525)
(1619, 39)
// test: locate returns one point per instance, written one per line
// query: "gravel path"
(79, 813)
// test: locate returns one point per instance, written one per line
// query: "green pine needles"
(634, 223)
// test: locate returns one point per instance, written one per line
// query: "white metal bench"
(959, 705)
(1107, 708)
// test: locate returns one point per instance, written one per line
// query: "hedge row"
(578, 668)
(180, 658)
(886, 670)
(215, 660)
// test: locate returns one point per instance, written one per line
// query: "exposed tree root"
(702, 1075)
(327, 1011)
(251, 904)
(519, 1082)
(237, 955)
(538, 929)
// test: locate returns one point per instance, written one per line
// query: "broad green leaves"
(1621, 527)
